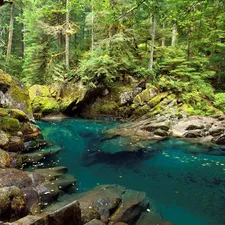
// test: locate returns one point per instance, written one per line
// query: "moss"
(39, 90)
(21, 98)
(4, 159)
(155, 111)
(109, 108)
(9, 124)
(5, 78)
(146, 95)
(142, 110)
(18, 114)
(4, 138)
(45, 105)
(4, 112)
(157, 99)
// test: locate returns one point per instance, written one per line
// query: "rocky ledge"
(196, 129)
(23, 146)
(105, 204)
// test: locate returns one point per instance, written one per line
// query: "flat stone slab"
(40, 154)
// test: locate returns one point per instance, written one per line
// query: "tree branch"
(130, 10)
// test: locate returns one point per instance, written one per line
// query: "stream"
(186, 189)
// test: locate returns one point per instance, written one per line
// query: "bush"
(219, 101)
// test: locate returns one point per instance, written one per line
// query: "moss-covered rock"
(4, 159)
(45, 105)
(14, 95)
(146, 95)
(4, 138)
(39, 90)
(9, 124)
(10, 160)
(12, 203)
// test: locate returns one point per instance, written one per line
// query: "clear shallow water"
(188, 189)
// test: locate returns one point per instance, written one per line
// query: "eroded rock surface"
(196, 129)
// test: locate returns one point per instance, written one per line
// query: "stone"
(69, 214)
(161, 133)
(14, 95)
(220, 140)
(216, 130)
(128, 96)
(10, 160)
(47, 188)
(155, 126)
(4, 139)
(193, 134)
(132, 205)
(103, 199)
(145, 96)
(40, 154)
(12, 203)
(149, 218)
(121, 223)
(95, 222)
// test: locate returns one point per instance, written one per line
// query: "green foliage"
(97, 69)
(13, 65)
(187, 78)
(113, 59)
(219, 101)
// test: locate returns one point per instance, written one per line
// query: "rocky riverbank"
(201, 130)
(25, 196)
(22, 146)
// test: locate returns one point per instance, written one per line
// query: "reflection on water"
(188, 188)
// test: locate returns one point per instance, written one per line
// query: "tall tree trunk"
(153, 19)
(163, 38)
(174, 35)
(10, 37)
(67, 35)
(92, 26)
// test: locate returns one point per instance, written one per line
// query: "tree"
(67, 34)
(11, 27)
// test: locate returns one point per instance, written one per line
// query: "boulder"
(145, 96)
(39, 187)
(112, 204)
(69, 214)
(10, 160)
(133, 203)
(12, 203)
(95, 222)
(195, 129)
(54, 99)
(220, 140)
(128, 96)
(14, 95)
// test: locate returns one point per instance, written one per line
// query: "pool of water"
(188, 189)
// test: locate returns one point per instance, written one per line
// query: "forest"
(175, 45)
(112, 112)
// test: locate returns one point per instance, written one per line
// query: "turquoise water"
(188, 189)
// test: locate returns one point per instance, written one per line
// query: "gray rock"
(40, 154)
(128, 96)
(193, 134)
(132, 205)
(220, 140)
(68, 215)
(95, 222)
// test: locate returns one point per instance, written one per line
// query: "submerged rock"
(196, 129)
